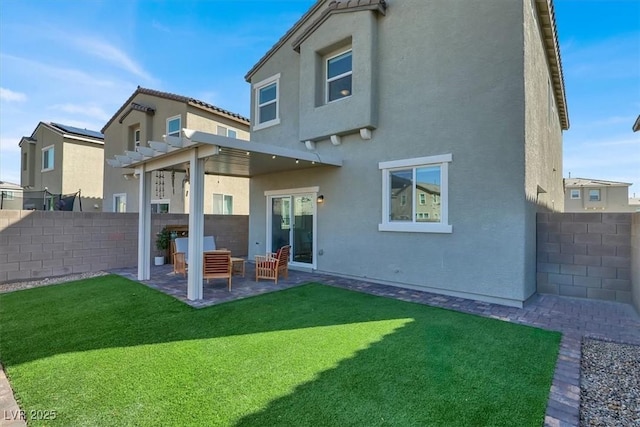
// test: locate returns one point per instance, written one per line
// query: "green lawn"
(109, 351)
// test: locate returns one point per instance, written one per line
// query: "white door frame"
(313, 192)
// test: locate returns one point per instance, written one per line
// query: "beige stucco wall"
(118, 138)
(83, 165)
(51, 179)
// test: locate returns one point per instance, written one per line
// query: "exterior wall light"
(320, 199)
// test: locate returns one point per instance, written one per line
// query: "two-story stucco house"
(589, 195)
(448, 117)
(10, 196)
(150, 115)
(63, 160)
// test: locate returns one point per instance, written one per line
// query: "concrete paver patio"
(575, 318)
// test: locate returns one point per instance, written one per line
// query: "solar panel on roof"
(78, 131)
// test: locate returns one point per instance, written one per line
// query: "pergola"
(199, 153)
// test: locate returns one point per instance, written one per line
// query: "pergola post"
(144, 223)
(196, 225)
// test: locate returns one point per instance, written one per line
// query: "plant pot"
(159, 260)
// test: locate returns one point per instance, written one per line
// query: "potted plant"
(163, 240)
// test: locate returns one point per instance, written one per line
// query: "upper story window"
(339, 72)
(24, 161)
(594, 195)
(575, 194)
(415, 195)
(173, 126)
(224, 131)
(136, 137)
(47, 158)
(267, 93)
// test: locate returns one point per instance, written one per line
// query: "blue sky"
(76, 62)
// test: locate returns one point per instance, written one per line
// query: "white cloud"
(111, 54)
(92, 111)
(48, 72)
(11, 96)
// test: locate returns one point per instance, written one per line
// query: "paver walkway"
(575, 318)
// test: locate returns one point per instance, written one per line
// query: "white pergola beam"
(144, 224)
(196, 225)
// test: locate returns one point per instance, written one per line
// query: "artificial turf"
(109, 351)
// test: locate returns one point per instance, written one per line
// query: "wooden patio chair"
(181, 252)
(272, 265)
(217, 265)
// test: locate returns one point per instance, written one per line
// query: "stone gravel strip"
(610, 384)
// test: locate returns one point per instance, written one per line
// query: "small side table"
(237, 265)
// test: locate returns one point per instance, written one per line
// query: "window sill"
(416, 228)
(266, 124)
(46, 170)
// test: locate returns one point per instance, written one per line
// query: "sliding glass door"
(291, 221)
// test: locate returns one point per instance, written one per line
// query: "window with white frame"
(406, 184)
(7, 195)
(594, 195)
(575, 194)
(120, 202)
(225, 131)
(173, 126)
(47, 158)
(160, 206)
(339, 71)
(136, 137)
(267, 102)
(222, 204)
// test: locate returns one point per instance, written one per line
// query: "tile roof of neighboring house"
(585, 182)
(167, 95)
(636, 125)
(9, 186)
(548, 25)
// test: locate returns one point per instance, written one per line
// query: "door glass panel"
(280, 222)
(302, 250)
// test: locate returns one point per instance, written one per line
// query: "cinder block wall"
(585, 255)
(39, 244)
(635, 260)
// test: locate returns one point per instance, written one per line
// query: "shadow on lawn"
(440, 363)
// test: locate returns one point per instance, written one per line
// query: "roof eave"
(552, 50)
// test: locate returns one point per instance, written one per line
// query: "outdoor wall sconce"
(321, 199)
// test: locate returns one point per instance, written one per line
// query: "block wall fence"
(589, 255)
(39, 244)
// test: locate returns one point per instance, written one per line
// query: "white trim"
(256, 90)
(571, 190)
(289, 191)
(328, 80)
(443, 226)
(169, 119)
(417, 161)
(53, 163)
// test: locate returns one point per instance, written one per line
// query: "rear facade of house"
(448, 116)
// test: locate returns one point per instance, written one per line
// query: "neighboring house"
(448, 117)
(149, 115)
(587, 195)
(10, 196)
(63, 160)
